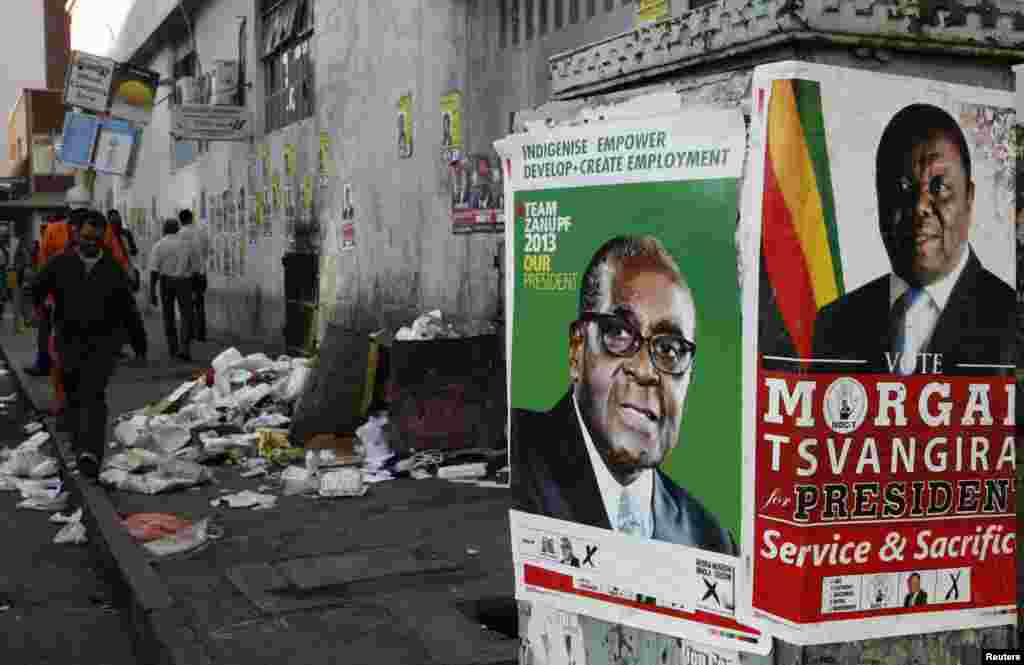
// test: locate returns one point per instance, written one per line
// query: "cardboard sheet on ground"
(642, 371)
(879, 461)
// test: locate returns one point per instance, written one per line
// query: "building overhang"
(990, 29)
(149, 26)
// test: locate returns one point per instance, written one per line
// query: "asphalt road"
(54, 606)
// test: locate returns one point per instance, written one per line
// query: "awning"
(38, 201)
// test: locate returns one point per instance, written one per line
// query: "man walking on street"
(201, 246)
(171, 267)
(92, 300)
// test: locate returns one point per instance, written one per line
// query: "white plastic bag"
(374, 436)
(72, 533)
(51, 504)
(347, 481)
(168, 438)
(44, 469)
(246, 499)
(296, 382)
(128, 432)
(271, 420)
(298, 480)
(76, 516)
(220, 365)
(185, 540)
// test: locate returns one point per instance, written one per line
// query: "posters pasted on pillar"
(639, 215)
(879, 465)
(451, 125)
(477, 194)
(405, 126)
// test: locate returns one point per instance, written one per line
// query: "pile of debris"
(237, 412)
(34, 473)
(433, 325)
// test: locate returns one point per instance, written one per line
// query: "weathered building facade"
(325, 77)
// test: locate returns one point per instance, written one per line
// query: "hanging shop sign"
(880, 485)
(657, 197)
(478, 195)
(207, 122)
(115, 143)
(134, 93)
(88, 82)
(78, 139)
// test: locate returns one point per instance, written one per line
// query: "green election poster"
(625, 369)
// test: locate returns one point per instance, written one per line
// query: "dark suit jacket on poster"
(910, 600)
(554, 477)
(978, 325)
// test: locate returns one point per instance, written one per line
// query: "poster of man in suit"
(626, 338)
(880, 352)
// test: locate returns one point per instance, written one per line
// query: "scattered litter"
(36, 440)
(346, 481)
(73, 531)
(134, 459)
(253, 473)
(58, 518)
(246, 499)
(476, 470)
(29, 463)
(184, 540)
(272, 420)
(32, 428)
(44, 469)
(298, 480)
(472, 551)
(9, 398)
(54, 504)
(145, 527)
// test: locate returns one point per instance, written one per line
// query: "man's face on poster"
(926, 226)
(632, 410)
(914, 583)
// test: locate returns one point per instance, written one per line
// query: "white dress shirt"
(924, 314)
(200, 240)
(640, 491)
(173, 256)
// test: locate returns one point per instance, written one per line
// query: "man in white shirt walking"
(201, 246)
(171, 266)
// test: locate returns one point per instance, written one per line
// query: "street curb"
(161, 627)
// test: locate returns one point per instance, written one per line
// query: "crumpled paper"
(29, 463)
(246, 499)
(48, 503)
(134, 459)
(72, 533)
(347, 481)
(374, 436)
(170, 474)
(216, 445)
(267, 420)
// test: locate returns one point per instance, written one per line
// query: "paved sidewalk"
(310, 581)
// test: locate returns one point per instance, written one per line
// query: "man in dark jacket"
(92, 302)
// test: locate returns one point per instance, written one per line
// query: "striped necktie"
(901, 342)
(629, 521)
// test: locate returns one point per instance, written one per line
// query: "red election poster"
(880, 322)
